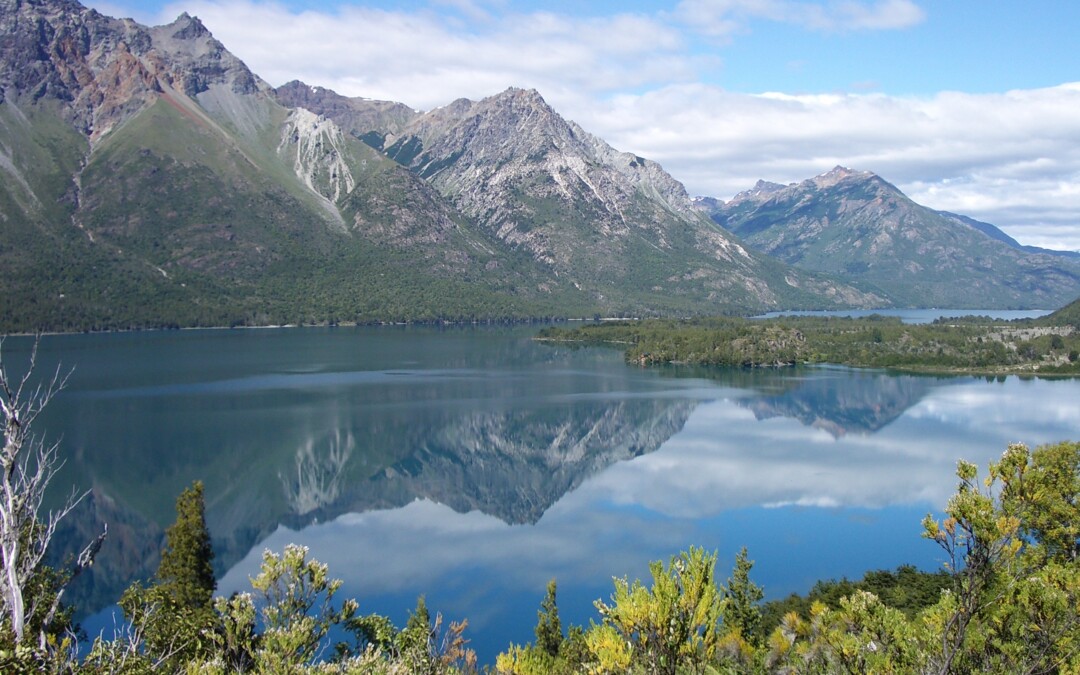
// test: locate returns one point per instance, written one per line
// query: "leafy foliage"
(674, 622)
(906, 589)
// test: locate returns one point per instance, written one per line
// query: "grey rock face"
(103, 70)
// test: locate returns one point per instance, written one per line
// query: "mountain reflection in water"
(474, 464)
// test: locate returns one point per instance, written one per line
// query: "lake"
(472, 464)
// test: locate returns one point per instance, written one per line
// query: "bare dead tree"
(27, 465)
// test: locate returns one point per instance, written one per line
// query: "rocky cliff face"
(351, 114)
(317, 150)
(855, 225)
(104, 70)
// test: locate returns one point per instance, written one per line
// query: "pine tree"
(548, 627)
(172, 618)
(186, 569)
(742, 609)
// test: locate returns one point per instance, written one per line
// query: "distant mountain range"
(150, 179)
(857, 226)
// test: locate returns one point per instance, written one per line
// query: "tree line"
(972, 345)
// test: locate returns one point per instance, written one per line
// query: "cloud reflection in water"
(789, 487)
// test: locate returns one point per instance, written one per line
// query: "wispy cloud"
(427, 58)
(722, 18)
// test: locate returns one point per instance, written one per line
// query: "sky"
(966, 106)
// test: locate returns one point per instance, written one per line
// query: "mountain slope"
(1069, 315)
(151, 179)
(611, 224)
(855, 225)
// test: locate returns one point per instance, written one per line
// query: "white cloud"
(722, 18)
(1012, 159)
(426, 59)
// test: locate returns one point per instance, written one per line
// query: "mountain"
(612, 224)
(857, 226)
(151, 179)
(861, 404)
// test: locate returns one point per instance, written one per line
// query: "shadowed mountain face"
(857, 226)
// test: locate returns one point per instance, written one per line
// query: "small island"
(970, 345)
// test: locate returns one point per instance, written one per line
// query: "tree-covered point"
(1069, 315)
(973, 344)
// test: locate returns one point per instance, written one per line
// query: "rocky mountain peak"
(838, 174)
(522, 99)
(188, 27)
(104, 69)
(761, 191)
(198, 60)
(522, 110)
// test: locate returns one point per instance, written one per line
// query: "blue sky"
(968, 106)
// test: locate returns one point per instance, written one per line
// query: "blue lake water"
(474, 464)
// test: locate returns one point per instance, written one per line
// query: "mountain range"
(856, 225)
(150, 179)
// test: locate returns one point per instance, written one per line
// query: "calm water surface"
(473, 464)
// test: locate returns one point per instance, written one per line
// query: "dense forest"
(970, 344)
